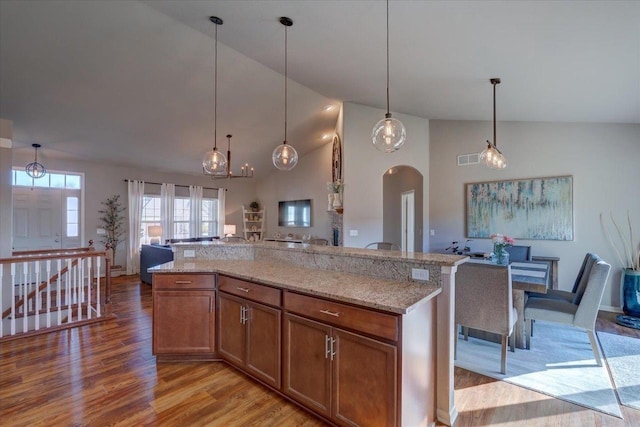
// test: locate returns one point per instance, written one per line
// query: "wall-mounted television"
(294, 213)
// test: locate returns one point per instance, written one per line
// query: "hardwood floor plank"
(105, 374)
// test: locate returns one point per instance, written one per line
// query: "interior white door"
(408, 220)
(37, 219)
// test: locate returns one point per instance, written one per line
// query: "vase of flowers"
(500, 255)
(335, 194)
(627, 250)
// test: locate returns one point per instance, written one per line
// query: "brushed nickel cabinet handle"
(333, 352)
(247, 290)
(330, 313)
(182, 282)
(327, 351)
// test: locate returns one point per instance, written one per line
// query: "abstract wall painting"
(537, 208)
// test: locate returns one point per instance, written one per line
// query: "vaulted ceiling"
(131, 82)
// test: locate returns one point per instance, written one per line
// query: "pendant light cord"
(495, 143)
(285, 84)
(388, 107)
(215, 92)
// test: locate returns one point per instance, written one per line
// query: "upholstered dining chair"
(519, 253)
(578, 285)
(387, 246)
(484, 301)
(581, 311)
(320, 242)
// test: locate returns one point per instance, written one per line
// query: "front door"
(37, 219)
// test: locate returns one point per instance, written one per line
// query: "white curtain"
(195, 211)
(167, 202)
(136, 199)
(221, 214)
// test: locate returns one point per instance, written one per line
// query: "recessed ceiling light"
(328, 107)
(326, 136)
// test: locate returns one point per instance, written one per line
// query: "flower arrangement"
(501, 241)
(335, 186)
(629, 251)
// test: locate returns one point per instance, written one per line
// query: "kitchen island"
(346, 333)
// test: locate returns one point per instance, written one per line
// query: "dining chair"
(320, 242)
(383, 246)
(580, 312)
(519, 253)
(484, 301)
(579, 283)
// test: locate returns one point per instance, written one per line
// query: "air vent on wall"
(468, 159)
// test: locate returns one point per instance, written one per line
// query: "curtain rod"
(177, 185)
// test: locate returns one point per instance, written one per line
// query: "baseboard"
(610, 309)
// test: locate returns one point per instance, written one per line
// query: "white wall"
(364, 167)
(103, 181)
(6, 213)
(308, 180)
(604, 160)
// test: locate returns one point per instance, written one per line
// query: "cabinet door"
(183, 322)
(306, 364)
(364, 381)
(263, 343)
(231, 330)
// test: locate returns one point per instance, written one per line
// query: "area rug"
(623, 357)
(559, 364)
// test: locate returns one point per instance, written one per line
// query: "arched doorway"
(402, 207)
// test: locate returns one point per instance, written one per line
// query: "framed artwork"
(336, 159)
(536, 208)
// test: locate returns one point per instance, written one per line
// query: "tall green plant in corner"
(113, 222)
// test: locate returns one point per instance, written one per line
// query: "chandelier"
(245, 171)
(35, 169)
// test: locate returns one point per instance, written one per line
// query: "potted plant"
(255, 206)
(113, 222)
(628, 252)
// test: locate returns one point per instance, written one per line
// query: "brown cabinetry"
(184, 316)
(249, 331)
(345, 376)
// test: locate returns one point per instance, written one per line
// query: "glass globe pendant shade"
(214, 162)
(492, 157)
(388, 134)
(285, 157)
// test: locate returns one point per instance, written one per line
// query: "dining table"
(526, 276)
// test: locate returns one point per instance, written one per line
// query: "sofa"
(152, 255)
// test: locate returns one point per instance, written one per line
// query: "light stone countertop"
(386, 295)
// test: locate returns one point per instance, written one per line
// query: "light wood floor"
(105, 374)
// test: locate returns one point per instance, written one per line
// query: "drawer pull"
(247, 290)
(182, 282)
(330, 313)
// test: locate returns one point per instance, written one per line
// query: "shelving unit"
(253, 224)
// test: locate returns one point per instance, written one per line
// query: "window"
(181, 214)
(50, 180)
(150, 216)
(73, 216)
(181, 218)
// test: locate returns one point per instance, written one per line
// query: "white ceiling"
(131, 82)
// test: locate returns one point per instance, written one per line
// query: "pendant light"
(388, 134)
(285, 157)
(214, 162)
(35, 169)
(491, 156)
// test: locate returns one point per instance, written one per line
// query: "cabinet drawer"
(355, 318)
(249, 290)
(184, 281)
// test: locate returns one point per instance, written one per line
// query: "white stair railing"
(43, 290)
